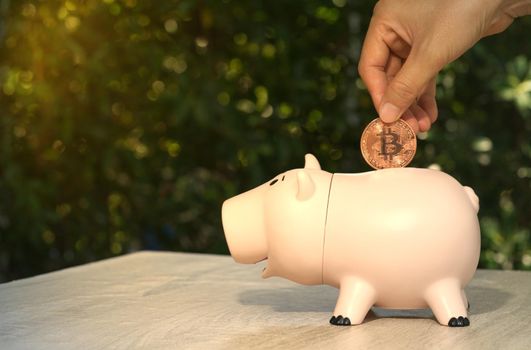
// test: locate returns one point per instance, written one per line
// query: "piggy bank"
(399, 238)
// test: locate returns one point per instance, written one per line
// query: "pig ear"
(306, 187)
(310, 162)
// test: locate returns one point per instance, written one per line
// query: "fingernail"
(389, 112)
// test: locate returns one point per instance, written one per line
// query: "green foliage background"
(125, 124)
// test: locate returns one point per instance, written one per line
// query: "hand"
(410, 41)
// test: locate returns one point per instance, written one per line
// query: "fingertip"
(409, 118)
(389, 112)
(422, 117)
(424, 125)
(428, 102)
(429, 105)
(414, 125)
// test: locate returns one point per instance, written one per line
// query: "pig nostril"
(273, 182)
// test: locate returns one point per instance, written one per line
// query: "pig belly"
(400, 230)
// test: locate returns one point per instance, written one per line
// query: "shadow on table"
(293, 299)
(484, 299)
(323, 299)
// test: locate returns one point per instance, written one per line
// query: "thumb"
(403, 90)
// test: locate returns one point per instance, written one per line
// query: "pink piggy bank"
(400, 238)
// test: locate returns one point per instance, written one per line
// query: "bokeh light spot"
(171, 25)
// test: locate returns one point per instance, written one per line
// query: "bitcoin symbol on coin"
(388, 145)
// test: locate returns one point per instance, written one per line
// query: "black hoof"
(459, 322)
(340, 321)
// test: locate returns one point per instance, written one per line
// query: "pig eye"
(283, 177)
(273, 182)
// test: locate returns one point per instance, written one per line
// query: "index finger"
(373, 60)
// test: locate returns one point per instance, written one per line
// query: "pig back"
(400, 229)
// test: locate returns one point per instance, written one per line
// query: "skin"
(409, 41)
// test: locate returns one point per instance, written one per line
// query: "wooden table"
(159, 300)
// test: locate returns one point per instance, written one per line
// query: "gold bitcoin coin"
(388, 145)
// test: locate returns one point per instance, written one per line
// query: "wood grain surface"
(167, 300)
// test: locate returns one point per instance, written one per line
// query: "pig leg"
(355, 299)
(465, 300)
(446, 300)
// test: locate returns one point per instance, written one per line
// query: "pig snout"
(243, 223)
